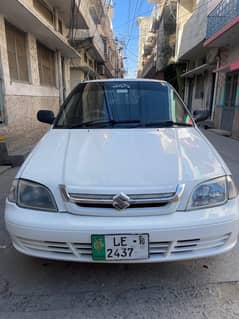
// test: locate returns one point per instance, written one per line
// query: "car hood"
(122, 159)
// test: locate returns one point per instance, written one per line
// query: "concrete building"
(35, 67)
(46, 47)
(149, 39)
(100, 54)
(195, 47)
(199, 61)
(223, 35)
(157, 44)
(145, 26)
(207, 41)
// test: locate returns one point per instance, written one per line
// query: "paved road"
(35, 288)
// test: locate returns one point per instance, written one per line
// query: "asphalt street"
(199, 289)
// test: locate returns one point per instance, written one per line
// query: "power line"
(140, 3)
(162, 31)
(158, 32)
(133, 20)
(127, 49)
(149, 11)
(126, 22)
(129, 11)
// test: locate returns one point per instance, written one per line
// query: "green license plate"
(120, 247)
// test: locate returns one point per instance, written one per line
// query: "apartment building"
(157, 42)
(100, 54)
(196, 49)
(35, 67)
(46, 47)
(145, 27)
(222, 35)
(207, 41)
(200, 62)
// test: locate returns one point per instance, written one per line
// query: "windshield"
(122, 104)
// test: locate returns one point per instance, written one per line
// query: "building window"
(199, 87)
(231, 89)
(17, 53)
(46, 64)
(44, 9)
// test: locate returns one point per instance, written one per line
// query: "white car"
(123, 175)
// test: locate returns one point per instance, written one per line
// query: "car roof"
(125, 80)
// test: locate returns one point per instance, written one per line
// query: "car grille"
(161, 249)
(119, 200)
(131, 206)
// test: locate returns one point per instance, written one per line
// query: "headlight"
(32, 195)
(212, 193)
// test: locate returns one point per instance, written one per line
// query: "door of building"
(229, 101)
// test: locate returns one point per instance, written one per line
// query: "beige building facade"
(157, 42)
(35, 68)
(44, 53)
(100, 54)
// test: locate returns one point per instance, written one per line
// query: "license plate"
(120, 247)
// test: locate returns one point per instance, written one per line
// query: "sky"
(126, 28)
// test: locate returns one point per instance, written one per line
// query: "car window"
(124, 103)
(179, 112)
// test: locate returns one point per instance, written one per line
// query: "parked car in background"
(123, 175)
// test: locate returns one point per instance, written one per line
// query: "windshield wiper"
(98, 123)
(166, 124)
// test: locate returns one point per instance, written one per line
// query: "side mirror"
(45, 116)
(200, 116)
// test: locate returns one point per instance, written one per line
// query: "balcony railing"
(224, 12)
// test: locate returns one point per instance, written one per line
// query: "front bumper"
(181, 235)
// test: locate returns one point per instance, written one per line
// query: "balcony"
(167, 40)
(224, 13)
(88, 67)
(223, 25)
(90, 37)
(64, 7)
(192, 32)
(96, 8)
(148, 46)
(23, 16)
(90, 40)
(149, 66)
